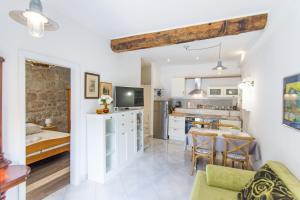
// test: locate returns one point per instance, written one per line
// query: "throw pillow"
(32, 129)
(266, 185)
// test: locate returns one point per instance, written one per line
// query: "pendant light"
(220, 66)
(37, 23)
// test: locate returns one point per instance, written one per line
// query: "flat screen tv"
(126, 97)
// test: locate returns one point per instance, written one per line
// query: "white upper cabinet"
(231, 91)
(215, 92)
(178, 87)
(222, 91)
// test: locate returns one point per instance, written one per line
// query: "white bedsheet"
(43, 136)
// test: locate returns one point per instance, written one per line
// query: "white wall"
(164, 74)
(71, 43)
(275, 56)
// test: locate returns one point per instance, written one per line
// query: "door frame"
(76, 108)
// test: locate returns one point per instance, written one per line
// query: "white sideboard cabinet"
(113, 141)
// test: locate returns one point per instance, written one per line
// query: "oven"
(189, 122)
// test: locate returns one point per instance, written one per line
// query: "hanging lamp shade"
(37, 23)
(219, 66)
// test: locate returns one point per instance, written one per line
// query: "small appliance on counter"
(178, 104)
(159, 94)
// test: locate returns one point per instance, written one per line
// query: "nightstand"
(50, 128)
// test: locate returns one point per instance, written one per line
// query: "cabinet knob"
(123, 133)
(123, 124)
(131, 130)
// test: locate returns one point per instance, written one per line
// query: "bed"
(45, 144)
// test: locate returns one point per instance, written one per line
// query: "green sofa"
(223, 183)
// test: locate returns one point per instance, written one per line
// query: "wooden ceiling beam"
(191, 33)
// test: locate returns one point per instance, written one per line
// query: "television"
(126, 97)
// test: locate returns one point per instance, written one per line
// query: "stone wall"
(46, 95)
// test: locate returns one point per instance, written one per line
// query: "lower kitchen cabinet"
(176, 128)
(113, 141)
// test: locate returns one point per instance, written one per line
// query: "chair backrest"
(227, 126)
(204, 140)
(236, 144)
(203, 124)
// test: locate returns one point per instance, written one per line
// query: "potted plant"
(105, 100)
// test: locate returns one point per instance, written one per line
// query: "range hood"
(197, 91)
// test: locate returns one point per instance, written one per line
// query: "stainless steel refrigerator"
(161, 119)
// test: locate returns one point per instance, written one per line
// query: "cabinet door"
(139, 132)
(131, 144)
(122, 147)
(130, 130)
(177, 134)
(176, 122)
(232, 91)
(178, 87)
(215, 91)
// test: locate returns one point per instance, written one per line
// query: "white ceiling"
(119, 18)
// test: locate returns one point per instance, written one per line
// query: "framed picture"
(106, 89)
(91, 86)
(291, 101)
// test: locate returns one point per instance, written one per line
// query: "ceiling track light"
(37, 23)
(219, 66)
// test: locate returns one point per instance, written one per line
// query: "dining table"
(219, 146)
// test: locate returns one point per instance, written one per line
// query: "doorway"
(48, 127)
(146, 83)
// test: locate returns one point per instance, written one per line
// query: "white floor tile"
(162, 173)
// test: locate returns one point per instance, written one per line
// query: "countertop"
(204, 116)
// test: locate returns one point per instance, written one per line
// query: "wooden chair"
(236, 149)
(227, 126)
(203, 146)
(203, 124)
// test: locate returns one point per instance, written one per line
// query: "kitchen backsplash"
(218, 104)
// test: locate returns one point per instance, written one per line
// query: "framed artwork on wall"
(91, 86)
(106, 89)
(291, 101)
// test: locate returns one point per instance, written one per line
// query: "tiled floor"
(162, 173)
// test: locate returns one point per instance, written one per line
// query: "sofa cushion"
(266, 185)
(228, 178)
(201, 191)
(287, 177)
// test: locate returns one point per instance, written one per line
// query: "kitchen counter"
(208, 114)
(205, 116)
